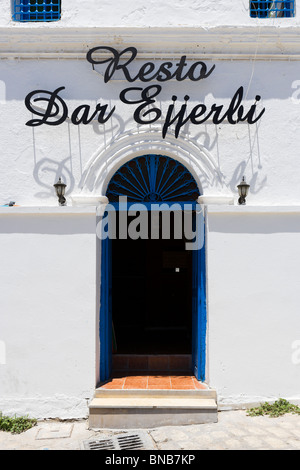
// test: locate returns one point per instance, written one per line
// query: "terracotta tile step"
(160, 362)
(153, 382)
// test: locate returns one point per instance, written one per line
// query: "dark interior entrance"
(152, 295)
(152, 288)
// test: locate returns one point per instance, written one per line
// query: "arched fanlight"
(153, 178)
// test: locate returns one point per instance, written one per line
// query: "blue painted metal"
(105, 323)
(149, 180)
(272, 9)
(148, 206)
(36, 10)
(153, 178)
(199, 319)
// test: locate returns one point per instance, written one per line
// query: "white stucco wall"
(266, 153)
(150, 13)
(48, 321)
(50, 283)
(253, 304)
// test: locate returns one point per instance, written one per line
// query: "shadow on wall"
(57, 169)
(54, 225)
(47, 171)
(251, 166)
(259, 223)
(242, 167)
(239, 172)
(266, 78)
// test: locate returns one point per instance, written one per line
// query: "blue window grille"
(275, 9)
(151, 179)
(36, 10)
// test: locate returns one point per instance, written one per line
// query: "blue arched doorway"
(153, 288)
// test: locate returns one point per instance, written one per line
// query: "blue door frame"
(199, 321)
(199, 315)
(105, 317)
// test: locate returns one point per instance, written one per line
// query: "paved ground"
(234, 431)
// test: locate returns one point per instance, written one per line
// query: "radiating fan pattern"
(153, 178)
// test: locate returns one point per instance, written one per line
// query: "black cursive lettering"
(53, 109)
(81, 115)
(147, 72)
(146, 100)
(114, 61)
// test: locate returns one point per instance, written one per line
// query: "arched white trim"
(108, 159)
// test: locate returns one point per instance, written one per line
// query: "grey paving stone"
(55, 431)
(234, 430)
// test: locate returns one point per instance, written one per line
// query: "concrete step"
(125, 409)
(201, 393)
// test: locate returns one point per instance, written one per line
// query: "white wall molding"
(240, 209)
(109, 158)
(216, 200)
(215, 43)
(81, 201)
(85, 205)
(82, 209)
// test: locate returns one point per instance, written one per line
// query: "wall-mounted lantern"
(243, 188)
(60, 192)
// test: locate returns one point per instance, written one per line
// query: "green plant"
(279, 408)
(15, 424)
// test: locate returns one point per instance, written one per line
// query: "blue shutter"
(272, 9)
(289, 7)
(36, 10)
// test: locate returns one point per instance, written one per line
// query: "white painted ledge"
(216, 200)
(47, 210)
(80, 201)
(216, 43)
(239, 209)
(92, 209)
